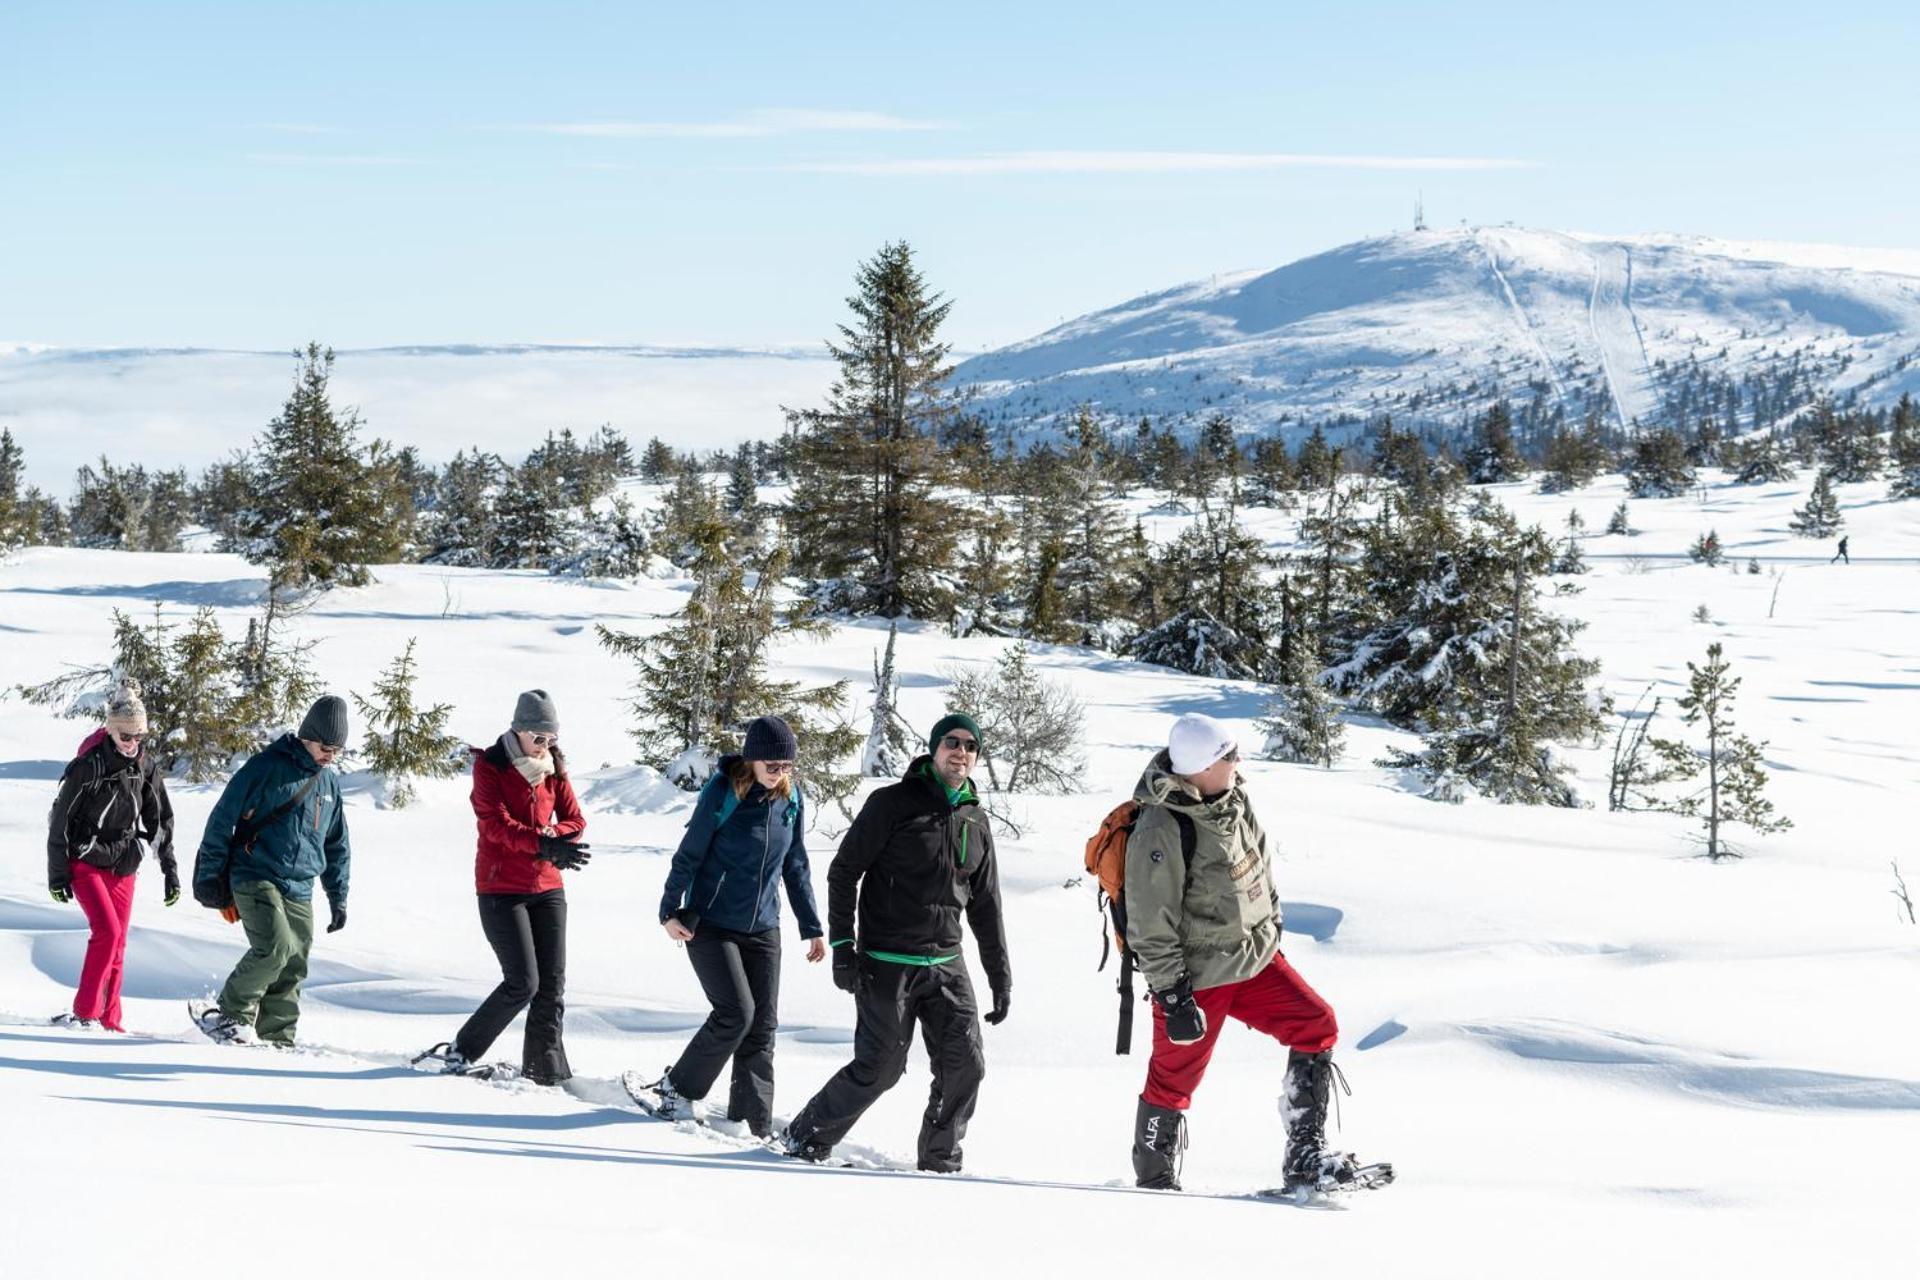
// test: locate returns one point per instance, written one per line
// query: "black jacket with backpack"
(914, 862)
(110, 807)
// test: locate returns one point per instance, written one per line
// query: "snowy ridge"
(1431, 326)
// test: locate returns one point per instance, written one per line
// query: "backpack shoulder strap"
(1189, 835)
(729, 801)
(249, 830)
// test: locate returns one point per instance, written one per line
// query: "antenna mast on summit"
(1419, 212)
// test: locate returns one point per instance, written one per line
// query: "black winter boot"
(1159, 1145)
(1304, 1108)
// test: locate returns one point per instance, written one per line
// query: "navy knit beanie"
(769, 738)
(951, 721)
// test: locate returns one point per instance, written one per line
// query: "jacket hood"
(1160, 785)
(288, 745)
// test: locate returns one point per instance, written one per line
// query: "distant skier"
(746, 837)
(112, 807)
(1841, 554)
(919, 854)
(277, 827)
(1203, 923)
(530, 823)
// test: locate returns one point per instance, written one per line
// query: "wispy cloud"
(1144, 162)
(329, 161)
(769, 123)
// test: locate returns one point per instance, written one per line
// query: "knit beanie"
(125, 712)
(1196, 741)
(535, 713)
(326, 722)
(769, 738)
(951, 721)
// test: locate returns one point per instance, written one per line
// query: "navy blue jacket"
(728, 873)
(310, 841)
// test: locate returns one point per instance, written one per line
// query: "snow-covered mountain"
(1432, 325)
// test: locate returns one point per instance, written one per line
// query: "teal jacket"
(310, 841)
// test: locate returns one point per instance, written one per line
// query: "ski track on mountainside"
(1616, 335)
(1525, 322)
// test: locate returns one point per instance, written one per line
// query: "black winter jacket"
(914, 862)
(107, 806)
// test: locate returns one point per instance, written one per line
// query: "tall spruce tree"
(1903, 450)
(866, 518)
(534, 521)
(321, 513)
(23, 508)
(1733, 764)
(1318, 464)
(461, 528)
(406, 741)
(1820, 517)
(1302, 723)
(1092, 570)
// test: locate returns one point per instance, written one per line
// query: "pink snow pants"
(108, 901)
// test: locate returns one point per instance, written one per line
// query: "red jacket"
(511, 814)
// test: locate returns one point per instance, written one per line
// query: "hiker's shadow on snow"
(344, 1117)
(32, 770)
(235, 593)
(163, 1071)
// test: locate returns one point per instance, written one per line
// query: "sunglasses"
(969, 745)
(543, 739)
(1233, 756)
(777, 768)
(129, 738)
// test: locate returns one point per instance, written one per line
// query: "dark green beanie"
(951, 721)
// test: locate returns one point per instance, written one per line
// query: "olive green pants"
(264, 989)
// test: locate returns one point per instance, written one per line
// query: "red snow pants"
(1276, 1001)
(108, 901)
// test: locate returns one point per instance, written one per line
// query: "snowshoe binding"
(659, 1099)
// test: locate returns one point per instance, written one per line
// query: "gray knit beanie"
(326, 722)
(534, 713)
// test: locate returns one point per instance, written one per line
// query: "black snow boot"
(1304, 1107)
(1159, 1146)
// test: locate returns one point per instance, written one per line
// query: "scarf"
(535, 769)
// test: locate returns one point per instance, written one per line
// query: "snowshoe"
(1339, 1172)
(214, 1023)
(72, 1022)
(795, 1147)
(659, 1099)
(452, 1062)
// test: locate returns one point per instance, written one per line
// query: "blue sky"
(251, 175)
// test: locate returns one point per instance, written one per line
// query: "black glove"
(567, 855)
(61, 893)
(999, 1014)
(1186, 1021)
(846, 968)
(173, 886)
(339, 921)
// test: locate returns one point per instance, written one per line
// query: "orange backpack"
(1107, 864)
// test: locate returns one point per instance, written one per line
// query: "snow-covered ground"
(1588, 1051)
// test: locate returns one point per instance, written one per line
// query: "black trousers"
(528, 932)
(740, 972)
(891, 999)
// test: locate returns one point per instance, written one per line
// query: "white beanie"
(1196, 741)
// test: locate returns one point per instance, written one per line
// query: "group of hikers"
(1201, 918)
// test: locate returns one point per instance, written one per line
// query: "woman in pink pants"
(111, 808)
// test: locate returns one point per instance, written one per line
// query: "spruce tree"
(320, 513)
(1708, 550)
(1734, 764)
(1303, 720)
(866, 517)
(1492, 457)
(406, 741)
(700, 681)
(1849, 444)
(534, 526)
(1659, 466)
(1903, 449)
(688, 518)
(611, 543)
(1619, 523)
(1270, 477)
(1820, 517)
(462, 527)
(1761, 460)
(658, 463)
(128, 508)
(1092, 568)
(1573, 460)
(23, 508)
(1223, 609)
(1570, 560)
(1318, 465)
